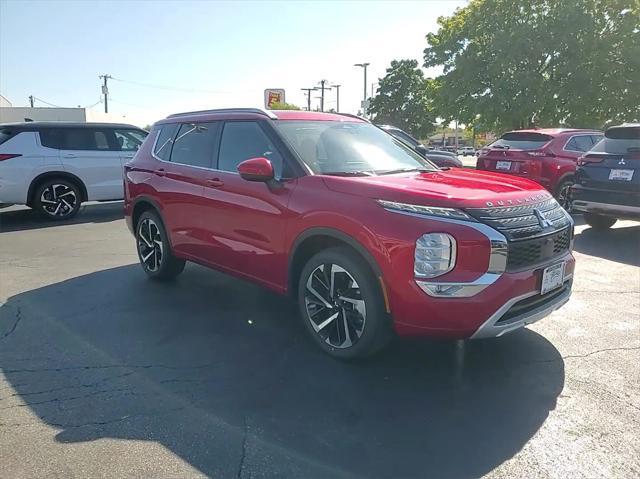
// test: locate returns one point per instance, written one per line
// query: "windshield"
(521, 141)
(329, 147)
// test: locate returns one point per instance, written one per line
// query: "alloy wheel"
(564, 196)
(334, 305)
(150, 246)
(58, 200)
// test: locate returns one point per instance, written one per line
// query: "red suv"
(369, 237)
(547, 156)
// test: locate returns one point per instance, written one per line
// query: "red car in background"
(547, 156)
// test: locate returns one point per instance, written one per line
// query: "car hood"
(455, 188)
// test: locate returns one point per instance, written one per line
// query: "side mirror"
(256, 169)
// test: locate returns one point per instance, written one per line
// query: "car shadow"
(23, 218)
(616, 244)
(221, 373)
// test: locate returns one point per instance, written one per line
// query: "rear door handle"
(70, 155)
(215, 182)
(161, 172)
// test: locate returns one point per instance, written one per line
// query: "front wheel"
(154, 250)
(342, 306)
(599, 222)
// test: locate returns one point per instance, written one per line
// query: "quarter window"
(243, 140)
(579, 143)
(129, 140)
(194, 144)
(162, 147)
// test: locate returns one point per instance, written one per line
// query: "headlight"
(435, 255)
(451, 213)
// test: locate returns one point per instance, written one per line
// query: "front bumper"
(522, 310)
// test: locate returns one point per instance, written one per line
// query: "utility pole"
(322, 89)
(309, 90)
(31, 99)
(105, 91)
(337, 87)
(364, 99)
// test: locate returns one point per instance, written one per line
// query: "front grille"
(529, 242)
(529, 252)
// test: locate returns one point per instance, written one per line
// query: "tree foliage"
(510, 64)
(402, 99)
(284, 106)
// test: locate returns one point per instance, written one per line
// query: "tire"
(361, 326)
(154, 250)
(563, 193)
(57, 199)
(599, 222)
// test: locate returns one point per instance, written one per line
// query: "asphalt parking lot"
(106, 374)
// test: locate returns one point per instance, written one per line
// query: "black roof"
(36, 125)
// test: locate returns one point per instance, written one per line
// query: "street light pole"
(337, 87)
(322, 89)
(364, 99)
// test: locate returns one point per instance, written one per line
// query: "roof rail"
(259, 111)
(351, 115)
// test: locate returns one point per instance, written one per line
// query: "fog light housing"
(435, 255)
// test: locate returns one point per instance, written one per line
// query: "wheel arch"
(33, 186)
(312, 240)
(142, 204)
(569, 175)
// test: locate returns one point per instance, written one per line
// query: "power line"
(47, 103)
(165, 87)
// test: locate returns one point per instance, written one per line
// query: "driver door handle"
(214, 182)
(161, 172)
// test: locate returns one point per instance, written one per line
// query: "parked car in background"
(468, 150)
(441, 158)
(54, 166)
(350, 222)
(608, 178)
(547, 156)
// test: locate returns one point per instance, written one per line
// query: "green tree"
(284, 106)
(402, 99)
(509, 64)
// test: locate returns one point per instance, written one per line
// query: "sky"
(167, 56)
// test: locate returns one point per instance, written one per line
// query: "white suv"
(54, 166)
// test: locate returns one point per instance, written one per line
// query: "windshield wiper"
(404, 170)
(349, 173)
(500, 147)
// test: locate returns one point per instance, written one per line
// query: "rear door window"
(194, 144)
(521, 140)
(88, 139)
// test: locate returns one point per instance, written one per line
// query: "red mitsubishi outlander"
(369, 237)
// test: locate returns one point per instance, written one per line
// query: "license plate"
(621, 175)
(503, 165)
(552, 278)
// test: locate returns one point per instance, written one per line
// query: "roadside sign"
(273, 95)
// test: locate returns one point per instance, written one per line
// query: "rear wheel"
(342, 306)
(599, 222)
(563, 194)
(154, 251)
(57, 199)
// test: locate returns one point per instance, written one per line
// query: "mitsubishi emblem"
(542, 220)
(621, 162)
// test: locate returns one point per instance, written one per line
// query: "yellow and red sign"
(273, 95)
